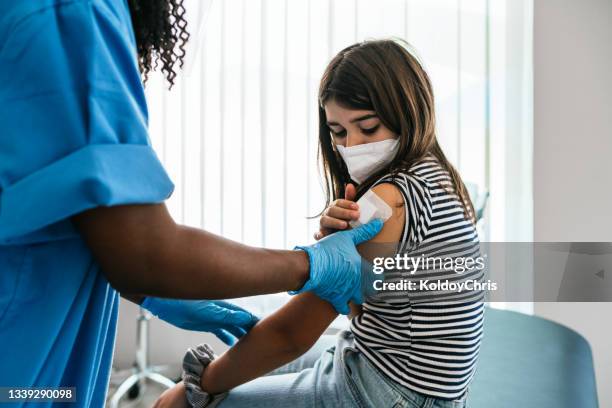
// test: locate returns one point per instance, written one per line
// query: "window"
(238, 134)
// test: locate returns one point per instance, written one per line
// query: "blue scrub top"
(73, 136)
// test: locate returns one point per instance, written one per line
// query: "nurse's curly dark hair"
(161, 34)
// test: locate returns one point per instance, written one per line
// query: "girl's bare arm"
(293, 329)
(273, 342)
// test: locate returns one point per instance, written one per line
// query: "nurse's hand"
(335, 266)
(338, 214)
(173, 398)
(226, 321)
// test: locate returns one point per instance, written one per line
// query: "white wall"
(573, 151)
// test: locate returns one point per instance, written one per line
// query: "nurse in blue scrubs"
(82, 214)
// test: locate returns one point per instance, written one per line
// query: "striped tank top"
(427, 340)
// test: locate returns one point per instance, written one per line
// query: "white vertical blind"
(239, 134)
(510, 121)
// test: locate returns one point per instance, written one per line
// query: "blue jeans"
(332, 374)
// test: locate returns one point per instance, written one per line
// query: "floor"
(146, 398)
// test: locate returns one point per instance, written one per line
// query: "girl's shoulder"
(425, 183)
(429, 170)
(425, 174)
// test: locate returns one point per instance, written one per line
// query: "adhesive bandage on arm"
(371, 207)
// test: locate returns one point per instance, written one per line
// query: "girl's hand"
(336, 216)
(173, 398)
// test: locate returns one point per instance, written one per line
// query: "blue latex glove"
(335, 266)
(226, 321)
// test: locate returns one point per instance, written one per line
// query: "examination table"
(527, 361)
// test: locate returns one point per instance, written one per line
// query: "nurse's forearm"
(142, 251)
(221, 268)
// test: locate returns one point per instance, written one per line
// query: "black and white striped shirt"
(424, 340)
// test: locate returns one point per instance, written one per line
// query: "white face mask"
(365, 159)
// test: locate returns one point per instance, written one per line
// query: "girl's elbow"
(287, 342)
(299, 344)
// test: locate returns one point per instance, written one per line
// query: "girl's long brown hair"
(383, 76)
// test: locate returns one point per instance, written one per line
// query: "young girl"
(376, 130)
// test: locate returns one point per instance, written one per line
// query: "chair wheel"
(134, 391)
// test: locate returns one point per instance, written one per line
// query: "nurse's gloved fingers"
(366, 232)
(238, 316)
(225, 336)
(368, 279)
(242, 319)
(357, 297)
(237, 331)
(230, 306)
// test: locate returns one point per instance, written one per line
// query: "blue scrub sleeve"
(96, 175)
(74, 118)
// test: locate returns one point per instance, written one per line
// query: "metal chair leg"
(123, 389)
(142, 370)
